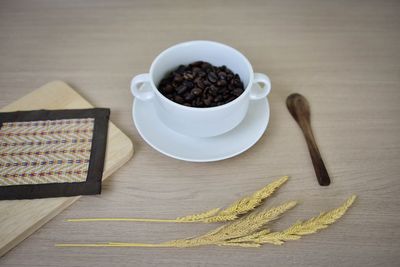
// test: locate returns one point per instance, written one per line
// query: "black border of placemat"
(92, 185)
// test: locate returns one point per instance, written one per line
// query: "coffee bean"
(213, 90)
(237, 91)
(168, 89)
(196, 71)
(221, 83)
(223, 91)
(188, 75)
(196, 91)
(231, 98)
(207, 101)
(199, 102)
(188, 84)
(189, 96)
(218, 98)
(201, 84)
(205, 65)
(212, 77)
(181, 69)
(222, 75)
(197, 63)
(178, 78)
(178, 99)
(205, 92)
(181, 89)
(202, 73)
(237, 83)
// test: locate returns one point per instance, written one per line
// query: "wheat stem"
(121, 220)
(113, 245)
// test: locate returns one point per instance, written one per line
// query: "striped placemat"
(50, 153)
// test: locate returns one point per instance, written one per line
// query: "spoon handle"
(318, 163)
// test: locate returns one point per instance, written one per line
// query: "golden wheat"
(308, 227)
(247, 231)
(239, 207)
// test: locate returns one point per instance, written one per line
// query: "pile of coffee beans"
(201, 85)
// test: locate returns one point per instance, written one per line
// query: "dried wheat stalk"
(247, 231)
(239, 207)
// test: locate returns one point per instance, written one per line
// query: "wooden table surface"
(344, 56)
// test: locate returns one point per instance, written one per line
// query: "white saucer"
(183, 147)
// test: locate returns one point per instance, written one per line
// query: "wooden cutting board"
(20, 218)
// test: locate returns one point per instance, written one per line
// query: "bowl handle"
(141, 87)
(257, 91)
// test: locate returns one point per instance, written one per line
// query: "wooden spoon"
(300, 110)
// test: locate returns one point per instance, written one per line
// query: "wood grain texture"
(343, 55)
(20, 218)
